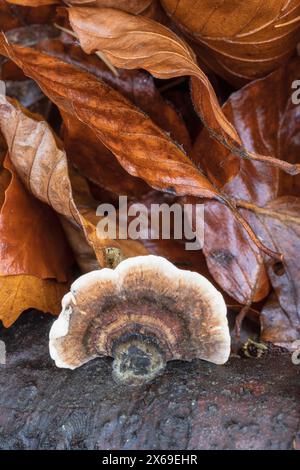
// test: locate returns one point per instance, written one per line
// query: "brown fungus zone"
(143, 313)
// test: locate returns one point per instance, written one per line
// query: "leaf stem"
(267, 212)
(104, 59)
(232, 205)
(99, 54)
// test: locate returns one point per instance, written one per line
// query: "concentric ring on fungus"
(143, 313)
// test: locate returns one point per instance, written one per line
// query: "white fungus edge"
(60, 327)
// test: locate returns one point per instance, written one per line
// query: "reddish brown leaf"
(21, 292)
(240, 40)
(276, 326)
(28, 244)
(29, 252)
(42, 166)
(140, 146)
(266, 121)
(85, 150)
(87, 153)
(278, 223)
(33, 3)
(137, 7)
(7, 19)
(135, 42)
(234, 261)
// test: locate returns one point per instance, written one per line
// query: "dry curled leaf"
(28, 245)
(34, 261)
(33, 3)
(95, 161)
(42, 166)
(87, 152)
(141, 147)
(23, 292)
(279, 224)
(84, 149)
(276, 326)
(136, 42)
(266, 196)
(238, 39)
(138, 7)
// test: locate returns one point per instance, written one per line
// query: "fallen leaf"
(136, 42)
(278, 223)
(266, 197)
(33, 3)
(29, 252)
(42, 166)
(89, 156)
(240, 40)
(136, 85)
(84, 149)
(137, 7)
(7, 20)
(264, 123)
(276, 326)
(233, 260)
(28, 245)
(21, 292)
(141, 147)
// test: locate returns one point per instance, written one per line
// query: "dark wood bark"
(246, 404)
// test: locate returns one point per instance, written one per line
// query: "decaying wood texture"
(246, 404)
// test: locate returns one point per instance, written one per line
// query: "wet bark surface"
(246, 404)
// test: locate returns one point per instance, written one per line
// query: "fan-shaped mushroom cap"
(143, 313)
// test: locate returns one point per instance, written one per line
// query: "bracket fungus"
(143, 313)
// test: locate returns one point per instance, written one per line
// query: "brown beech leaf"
(136, 85)
(93, 160)
(87, 153)
(240, 40)
(42, 166)
(32, 240)
(85, 150)
(278, 223)
(137, 7)
(29, 251)
(276, 326)
(136, 42)
(233, 260)
(266, 121)
(141, 147)
(33, 3)
(21, 292)
(7, 19)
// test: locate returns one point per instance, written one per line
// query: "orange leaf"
(19, 293)
(141, 147)
(31, 238)
(136, 42)
(241, 40)
(42, 166)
